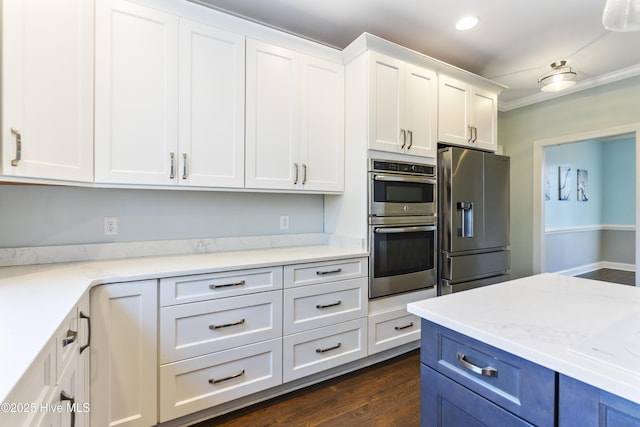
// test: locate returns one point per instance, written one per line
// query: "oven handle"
(413, 229)
(393, 178)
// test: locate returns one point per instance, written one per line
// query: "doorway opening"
(541, 262)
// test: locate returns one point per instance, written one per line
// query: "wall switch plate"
(284, 222)
(110, 225)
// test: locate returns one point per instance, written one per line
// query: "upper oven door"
(398, 194)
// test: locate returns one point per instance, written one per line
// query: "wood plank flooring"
(613, 276)
(385, 394)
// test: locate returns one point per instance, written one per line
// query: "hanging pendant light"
(621, 15)
(560, 78)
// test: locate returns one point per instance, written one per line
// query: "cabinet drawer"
(66, 341)
(391, 329)
(198, 383)
(320, 349)
(201, 287)
(320, 272)
(516, 384)
(444, 403)
(309, 307)
(198, 328)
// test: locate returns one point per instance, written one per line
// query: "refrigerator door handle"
(466, 219)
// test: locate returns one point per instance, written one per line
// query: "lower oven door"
(402, 258)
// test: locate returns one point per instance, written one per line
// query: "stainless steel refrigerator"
(473, 219)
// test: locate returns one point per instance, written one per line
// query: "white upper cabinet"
(169, 100)
(403, 107)
(47, 89)
(294, 120)
(211, 138)
(467, 115)
(136, 94)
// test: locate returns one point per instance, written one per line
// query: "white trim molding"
(586, 228)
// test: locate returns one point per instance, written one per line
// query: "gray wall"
(611, 105)
(48, 215)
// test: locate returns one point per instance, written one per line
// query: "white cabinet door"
(272, 117)
(421, 111)
(136, 134)
(484, 106)
(124, 354)
(386, 106)
(47, 89)
(454, 115)
(467, 115)
(211, 126)
(322, 125)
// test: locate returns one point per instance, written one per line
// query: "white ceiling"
(514, 43)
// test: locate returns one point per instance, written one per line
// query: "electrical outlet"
(284, 222)
(110, 225)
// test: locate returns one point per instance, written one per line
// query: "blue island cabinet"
(582, 405)
(465, 382)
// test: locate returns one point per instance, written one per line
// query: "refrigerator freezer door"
(461, 199)
(496, 201)
(458, 268)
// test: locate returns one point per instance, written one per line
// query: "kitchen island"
(574, 341)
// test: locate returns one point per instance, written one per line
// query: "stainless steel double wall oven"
(402, 227)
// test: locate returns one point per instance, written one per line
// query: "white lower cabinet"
(320, 349)
(201, 382)
(124, 354)
(392, 328)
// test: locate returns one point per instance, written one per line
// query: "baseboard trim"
(582, 269)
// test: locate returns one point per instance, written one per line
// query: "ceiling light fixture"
(621, 15)
(560, 78)
(467, 23)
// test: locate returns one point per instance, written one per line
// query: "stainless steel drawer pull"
(304, 174)
(487, 372)
(227, 285)
(322, 273)
(221, 380)
(295, 178)
(410, 139)
(324, 350)
(399, 328)
(226, 325)
(70, 339)
(15, 161)
(320, 307)
(404, 137)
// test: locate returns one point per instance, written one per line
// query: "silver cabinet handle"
(70, 338)
(84, 347)
(15, 161)
(470, 129)
(172, 172)
(324, 350)
(226, 325)
(404, 137)
(304, 173)
(335, 304)
(66, 396)
(184, 165)
(487, 372)
(399, 328)
(322, 273)
(227, 285)
(221, 380)
(410, 139)
(475, 134)
(295, 177)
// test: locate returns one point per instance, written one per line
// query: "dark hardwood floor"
(610, 275)
(385, 394)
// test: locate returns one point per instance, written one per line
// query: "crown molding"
(604, 79)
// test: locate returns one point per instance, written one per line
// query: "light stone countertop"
(586, 329)
(35, 299)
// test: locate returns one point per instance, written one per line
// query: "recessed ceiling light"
(467, 23)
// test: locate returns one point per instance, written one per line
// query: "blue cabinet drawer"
(517, 385)
(445, 403)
